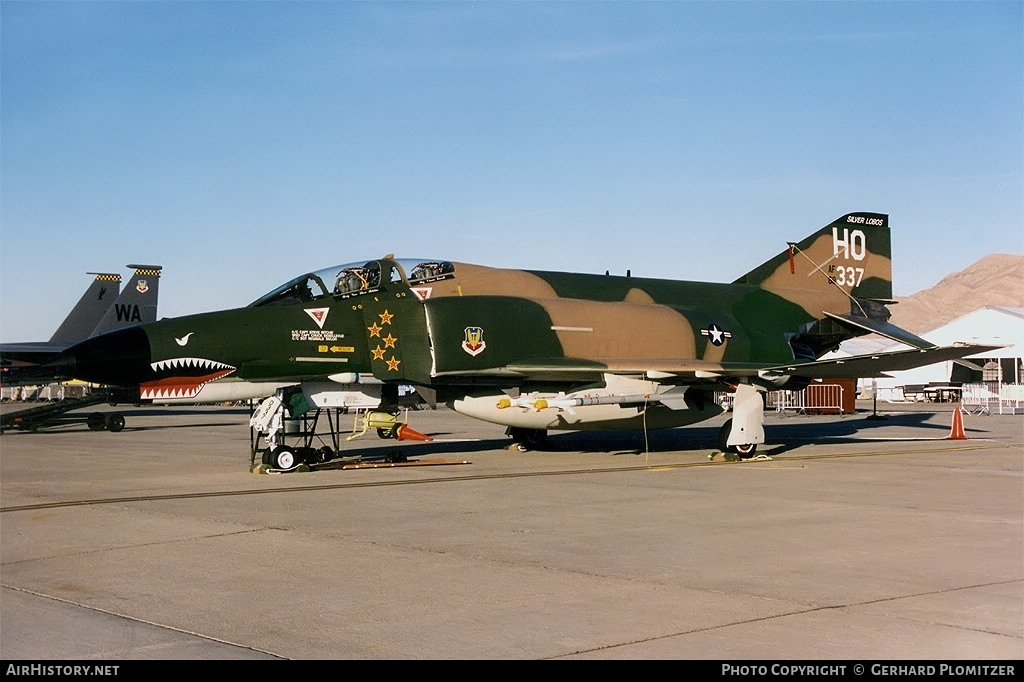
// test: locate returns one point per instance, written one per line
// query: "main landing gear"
(744, 450)
(741, 433)
(527, 439)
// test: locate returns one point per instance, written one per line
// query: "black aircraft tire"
(114, 422)
(745, 451)
(284, 457)
(96, 421)
(723, 435)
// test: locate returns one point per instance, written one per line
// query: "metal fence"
(814, 398)
(47, 393)
(993, 398)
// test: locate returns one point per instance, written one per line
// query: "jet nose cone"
(119, 358)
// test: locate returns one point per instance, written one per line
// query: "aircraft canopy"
(353, 279)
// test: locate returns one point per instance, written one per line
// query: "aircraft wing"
(675, 371)
(28, 353)
(576, 370)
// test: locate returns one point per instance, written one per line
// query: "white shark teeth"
(169, 393)
(189, 364)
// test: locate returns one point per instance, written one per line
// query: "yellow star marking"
(385, 317)
(378, 353)
(389, 341)
(375, 330)
(393, 364)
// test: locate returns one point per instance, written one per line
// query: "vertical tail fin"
(89, 310)
(851, 255)
(137, 302)
(842, 276)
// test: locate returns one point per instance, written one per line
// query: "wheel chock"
(267, 469)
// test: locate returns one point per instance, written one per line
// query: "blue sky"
(241, 143)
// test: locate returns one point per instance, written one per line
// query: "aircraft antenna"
(832, 280)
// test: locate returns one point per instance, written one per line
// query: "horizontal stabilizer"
(876, 364)
(889, 331)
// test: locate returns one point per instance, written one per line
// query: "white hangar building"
(997, 375)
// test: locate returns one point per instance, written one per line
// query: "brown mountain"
(997, 279)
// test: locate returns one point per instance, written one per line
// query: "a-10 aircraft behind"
(534, 351)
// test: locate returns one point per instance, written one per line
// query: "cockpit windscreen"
(355, 278)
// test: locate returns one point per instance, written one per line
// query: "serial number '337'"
(847, 276)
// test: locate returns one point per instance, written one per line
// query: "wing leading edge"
(671, 370)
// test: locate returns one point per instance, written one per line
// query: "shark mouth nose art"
(182, 377)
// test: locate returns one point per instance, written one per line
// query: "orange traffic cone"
(957, 432)
(405, 432)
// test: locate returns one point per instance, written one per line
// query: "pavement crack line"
(797, 612)
(117, 548)
(142, 621)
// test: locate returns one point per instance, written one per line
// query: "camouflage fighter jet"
(538, 351)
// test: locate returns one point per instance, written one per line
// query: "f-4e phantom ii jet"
(538, 351)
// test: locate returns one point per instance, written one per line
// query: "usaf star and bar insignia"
(716, 334)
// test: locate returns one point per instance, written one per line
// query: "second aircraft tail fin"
(89, 310)
(137, 302)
